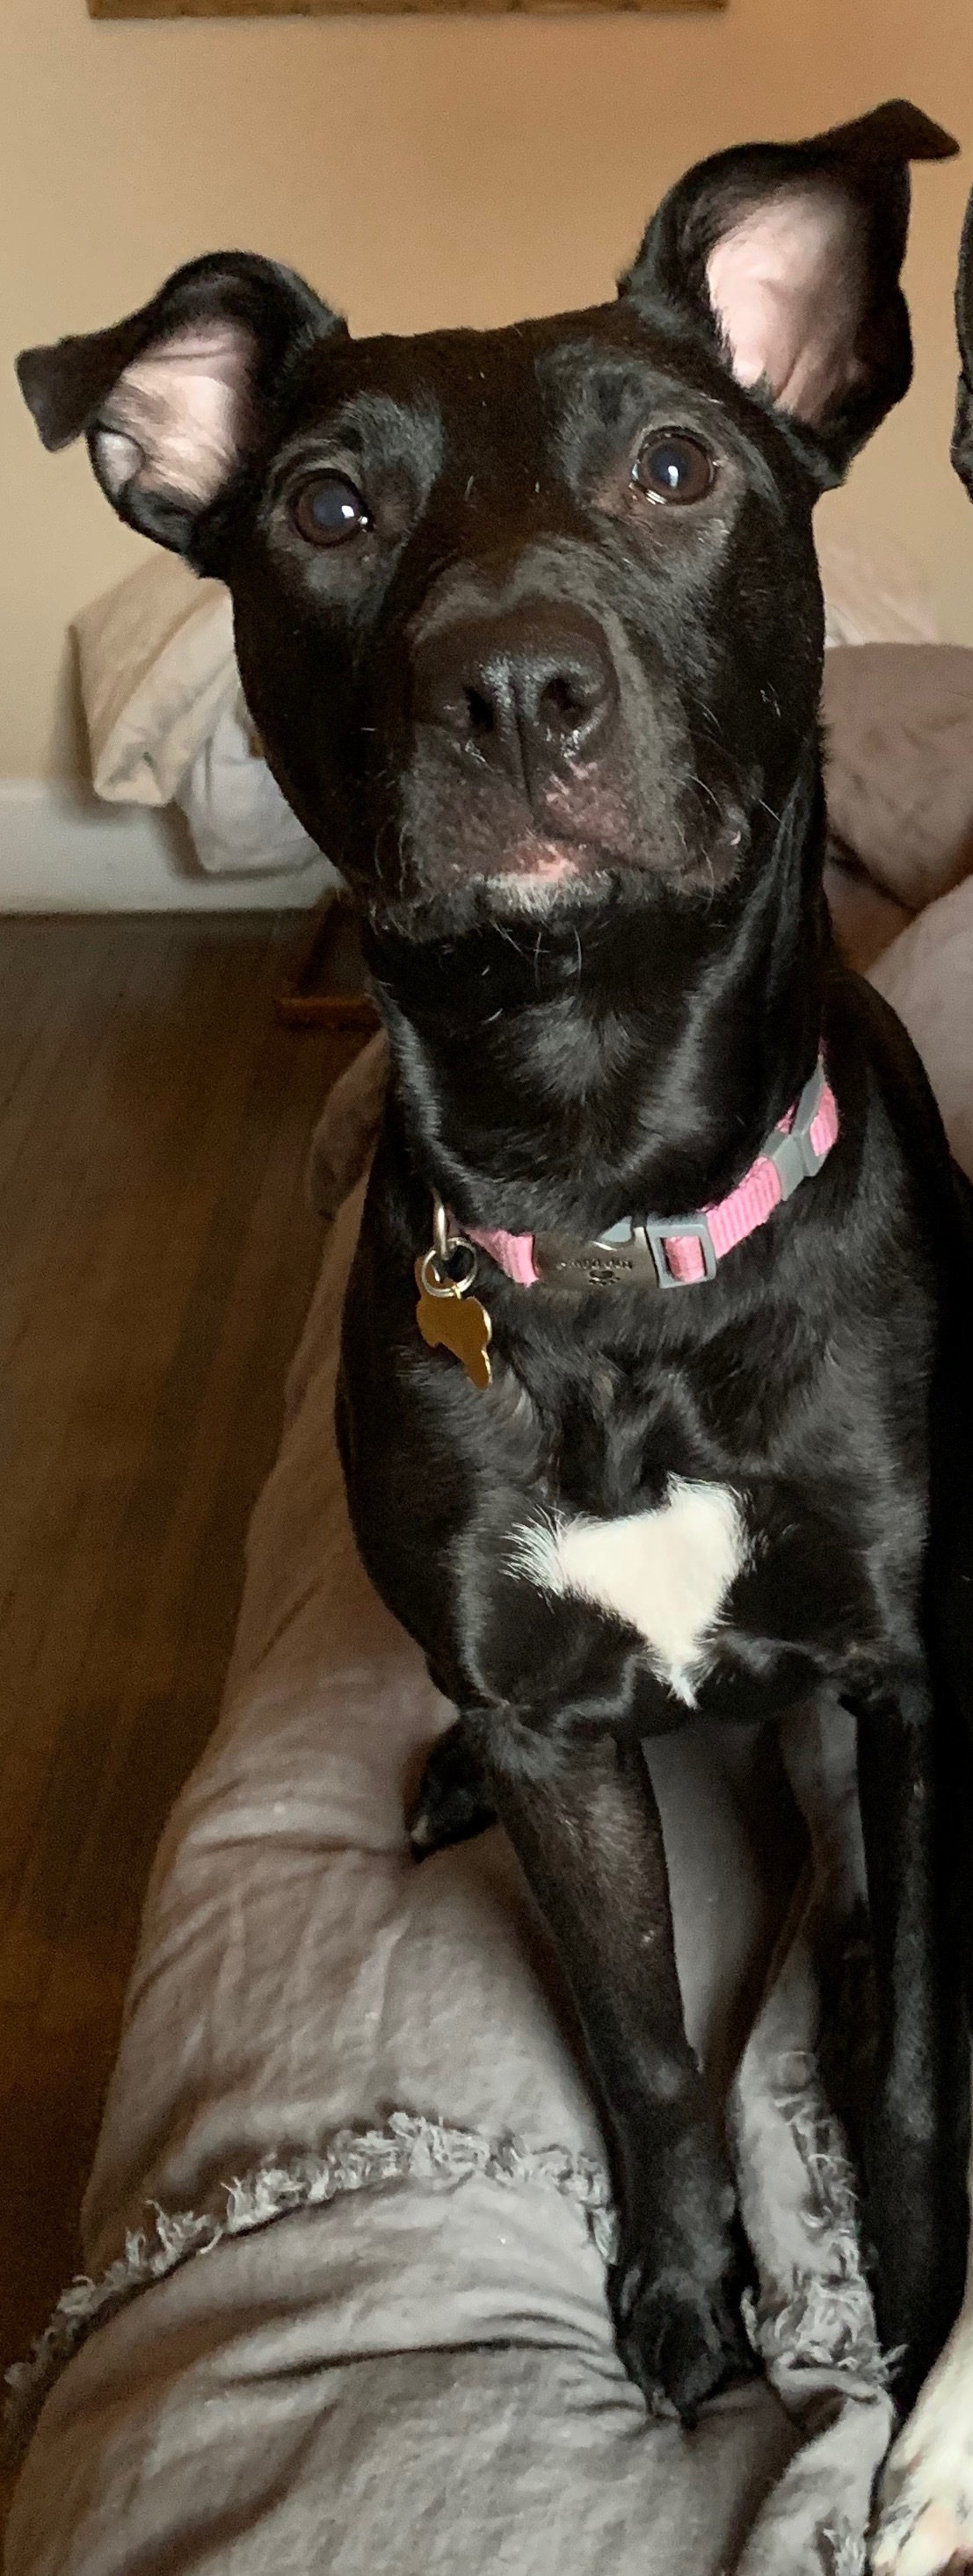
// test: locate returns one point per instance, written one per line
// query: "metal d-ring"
(431, 1265)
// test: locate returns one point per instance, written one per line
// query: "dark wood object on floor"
(326, 987)
(156, 1265)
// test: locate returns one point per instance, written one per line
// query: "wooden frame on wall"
(389, 8)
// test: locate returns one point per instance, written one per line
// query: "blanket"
(349, 2218)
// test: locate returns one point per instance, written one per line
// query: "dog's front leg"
(916, 2215)
(585, 1824)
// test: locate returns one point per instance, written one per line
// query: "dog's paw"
(925, 2519)
(451, 1803)
(679, 2335)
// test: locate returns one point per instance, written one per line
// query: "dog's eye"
(329, 510)
(672, 467)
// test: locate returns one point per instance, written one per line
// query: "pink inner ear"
(787, 286)
(175, 418)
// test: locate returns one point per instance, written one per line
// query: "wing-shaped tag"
(458, 1324)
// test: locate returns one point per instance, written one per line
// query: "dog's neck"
(564, 1074)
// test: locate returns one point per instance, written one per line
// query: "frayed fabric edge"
(405, 2149)
(846, 2551)
(823, 2319)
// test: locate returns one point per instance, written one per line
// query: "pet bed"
(348, 2223)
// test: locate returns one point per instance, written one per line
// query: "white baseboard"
(63, 851)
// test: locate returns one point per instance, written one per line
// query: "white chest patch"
(667, 1572)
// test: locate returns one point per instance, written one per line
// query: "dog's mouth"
(470, 839)
(536, 870)
(550, 860)
(543, 861)
(536, 875)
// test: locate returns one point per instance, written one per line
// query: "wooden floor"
(156, 1262)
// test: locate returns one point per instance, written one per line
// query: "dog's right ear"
(175, 400)
(961, 450)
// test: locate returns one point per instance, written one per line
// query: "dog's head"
(520, 610)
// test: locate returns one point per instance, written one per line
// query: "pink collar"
(673, 1252)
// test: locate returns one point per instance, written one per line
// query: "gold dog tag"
(450, 1319)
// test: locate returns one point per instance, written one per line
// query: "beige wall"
(420, 171)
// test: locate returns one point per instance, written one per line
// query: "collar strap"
(677, 1251)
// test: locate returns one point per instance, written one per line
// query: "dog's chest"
(668, 1572)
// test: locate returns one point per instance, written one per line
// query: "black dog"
(530, 624)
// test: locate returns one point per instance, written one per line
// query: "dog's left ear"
(786, 258)
(961, 450)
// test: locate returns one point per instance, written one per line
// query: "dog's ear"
(962, 446)
(786, 257)
(177, 398)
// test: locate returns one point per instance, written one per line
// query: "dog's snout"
(529, 693)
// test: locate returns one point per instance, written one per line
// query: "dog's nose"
(531, 693)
